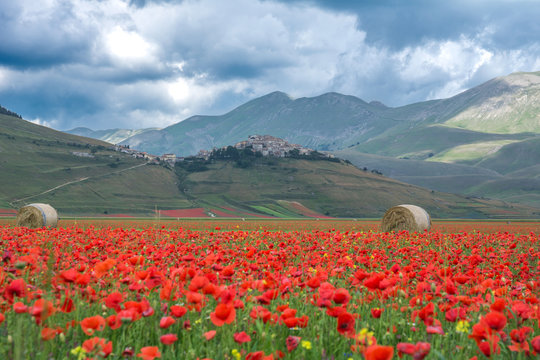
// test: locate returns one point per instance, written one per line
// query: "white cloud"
(158, 64)
(38, 121)
(129, 47)
(3, 78)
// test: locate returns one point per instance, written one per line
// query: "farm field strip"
(226, 289)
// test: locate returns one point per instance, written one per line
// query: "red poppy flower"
(136, 260)
(521, 335)
(292, 342)
(241, 337)
(435, 329)
(69, 275)
(168, 339)
(418, 351)
(194, 297)
(166, 321)
(495, 320)
(341, 296)
(149, 353)
(426, 313)
(346, 324)
(499, 305)
(48, 333)
(489, 348)
(372, 282)
(103, 267)
(114, 322)
(376, 313)
(178, 311)
(2, 318)
(451, 314)
(92, 324)
(224, 314)
(113, 301)
(336, 311)
(302, 321)
(535, 342)
(20, 308)
(41, 310)
(209, 335)
(98, 346)
(15, 288)
(128, 315)
(197, 283)
(314, 282)
(260, 312)
(68, 305)
(259, 355)
(523, 310)
(379, 352)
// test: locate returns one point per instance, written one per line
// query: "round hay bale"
(406, 217)
(37, 216)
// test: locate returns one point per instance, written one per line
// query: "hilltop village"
(265, 145)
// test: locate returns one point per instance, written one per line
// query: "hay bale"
(37, 216)
(406, 217)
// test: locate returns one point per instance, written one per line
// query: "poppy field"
(269, 290)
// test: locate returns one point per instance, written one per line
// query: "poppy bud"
(19, 265)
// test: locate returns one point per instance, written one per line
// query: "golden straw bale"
(37, 216)
(406, 217)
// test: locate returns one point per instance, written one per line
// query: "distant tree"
(5, 111)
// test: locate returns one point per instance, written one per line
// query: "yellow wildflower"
(79, 352)
(365, 337)
(462, 326)
(236, 354)
(306, 344)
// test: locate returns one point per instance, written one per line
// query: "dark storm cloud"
(148, 63)
(42, 39)
(397, 23)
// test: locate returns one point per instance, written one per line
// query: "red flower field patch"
(8, 212)
(301, 209)
(181, 213)
(284, 289)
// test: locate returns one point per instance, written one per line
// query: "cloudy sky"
(151, 63)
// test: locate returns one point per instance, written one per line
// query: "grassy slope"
(34, 159)
(138, 191)
(329, 188)
(516, 110)
(513, 157)
(419, 142)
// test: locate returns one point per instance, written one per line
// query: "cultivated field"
(262, 289)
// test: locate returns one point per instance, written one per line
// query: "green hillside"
(85, 177)
(520, 103)
(35, 159)
(512, 157)
(425, 141)
(472, 143)
(329, 188)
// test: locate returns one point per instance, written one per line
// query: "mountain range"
(482, 142)
(80, 176)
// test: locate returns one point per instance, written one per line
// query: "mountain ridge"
(82, 176)
(504, 110)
